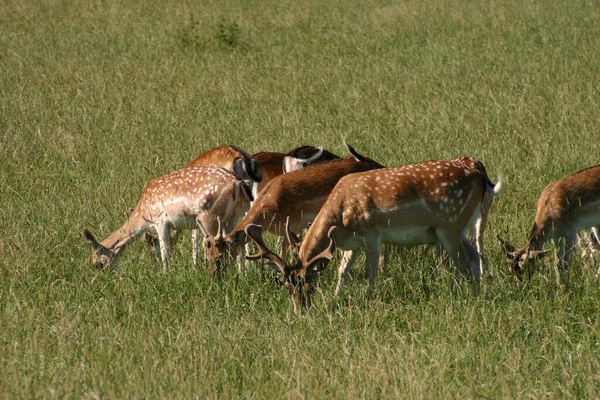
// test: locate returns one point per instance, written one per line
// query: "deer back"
(232, 158)
(434, 194)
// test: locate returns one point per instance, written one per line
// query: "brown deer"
(298, 195)
(231, 158)
(564, 207)
(416, 204)
(181, 199)
(272, 164)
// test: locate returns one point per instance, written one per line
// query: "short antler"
(219, 236)
(292, 238)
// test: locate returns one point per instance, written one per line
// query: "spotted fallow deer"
(297, 195)
(416, 204)
(233, 159)
(564, 207)
(182, 199)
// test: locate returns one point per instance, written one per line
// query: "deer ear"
(255, 171)
(90, 238)
(289, 164)
(242, 189)
(239, 168)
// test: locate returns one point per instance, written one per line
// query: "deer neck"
(314, 242)
(540, 234)
(126, 233)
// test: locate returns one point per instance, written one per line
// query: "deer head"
(299, 278)
(101, 256)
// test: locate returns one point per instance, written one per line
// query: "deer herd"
(351, 204)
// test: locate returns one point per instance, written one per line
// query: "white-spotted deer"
(231, 158)
(417, 204)
(298, 195)
(564, 207)
(181, 199)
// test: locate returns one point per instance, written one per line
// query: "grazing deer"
(298, 195)
(231, 158)
(182, 199)
(416, 204)
(564, 207)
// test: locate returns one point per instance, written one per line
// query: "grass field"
(99, 97)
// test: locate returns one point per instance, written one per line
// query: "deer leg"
(163, 242)
(384, 258)
(195, 234)
(472, 257)
(373, 251)
(595, 245)
(566, 245)
(451, 242)
(346, 263)
(478, 229)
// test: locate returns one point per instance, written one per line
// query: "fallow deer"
(181, 199)
(304, 156)
(564, 207)
(416, 204)
(272, 164)
(231, 158)
(298, 195)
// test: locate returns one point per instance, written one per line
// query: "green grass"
(97, 98)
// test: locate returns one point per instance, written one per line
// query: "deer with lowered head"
(564, 208)
(204, 196)
(256, 170)
(298, 195)
(428, 203)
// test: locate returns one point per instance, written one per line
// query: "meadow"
(99, 97)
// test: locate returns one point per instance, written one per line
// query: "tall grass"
(97, 98)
